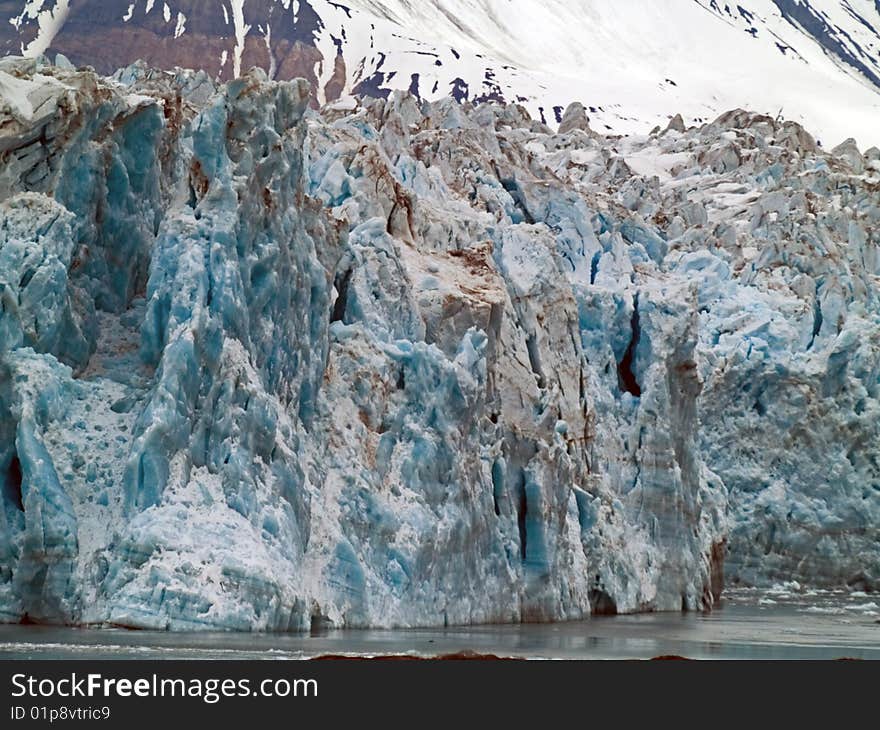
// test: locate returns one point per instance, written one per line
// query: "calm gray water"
(784, 623)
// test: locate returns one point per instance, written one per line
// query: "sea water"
(782, 623)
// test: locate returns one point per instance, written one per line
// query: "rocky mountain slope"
(410, 363)
(634, 64)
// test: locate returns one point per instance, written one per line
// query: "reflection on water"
(783, 623)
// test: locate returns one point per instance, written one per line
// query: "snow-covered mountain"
(422, 363)
(634, 64)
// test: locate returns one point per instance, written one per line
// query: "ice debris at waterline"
(415, 364)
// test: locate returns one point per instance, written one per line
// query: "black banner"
(412, 692)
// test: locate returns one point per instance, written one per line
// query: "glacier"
(404, 363)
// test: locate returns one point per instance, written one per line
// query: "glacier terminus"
(396, 362)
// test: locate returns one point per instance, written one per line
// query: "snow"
(623, 53)
(50, 19)
(633, 64)
(241, 31)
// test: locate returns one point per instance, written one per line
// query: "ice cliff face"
(405, 363)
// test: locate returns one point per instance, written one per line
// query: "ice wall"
(420, 364)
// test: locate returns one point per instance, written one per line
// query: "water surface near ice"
(783, 623)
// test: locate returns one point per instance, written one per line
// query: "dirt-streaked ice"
(405, 363)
